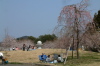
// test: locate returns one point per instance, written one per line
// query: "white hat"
(1, 54)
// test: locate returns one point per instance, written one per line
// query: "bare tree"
(91, 38)
(62, 43)
(7, 42)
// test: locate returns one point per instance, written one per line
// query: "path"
(23, 65)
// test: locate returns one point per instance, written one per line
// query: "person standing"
(29, 48)
(24, 46)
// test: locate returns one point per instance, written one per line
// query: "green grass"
(87, 58)
(15, 63)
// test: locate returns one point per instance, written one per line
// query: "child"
(4, 60)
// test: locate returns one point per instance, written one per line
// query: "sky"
(34, 17)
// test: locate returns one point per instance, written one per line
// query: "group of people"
(24, 47)
(15, 48)
(56, 59)
(28, 48)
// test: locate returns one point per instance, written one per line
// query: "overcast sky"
(34, 17)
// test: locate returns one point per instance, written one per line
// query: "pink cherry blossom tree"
(10, 42)
(73, 20)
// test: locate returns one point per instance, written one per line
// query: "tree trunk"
(77, 32)
(72, 47)
(66, 56)
(77, 49)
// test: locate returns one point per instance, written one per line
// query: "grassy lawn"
(87, 58)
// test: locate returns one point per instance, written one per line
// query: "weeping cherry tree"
(73, 20)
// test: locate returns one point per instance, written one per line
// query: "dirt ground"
(23, 65)
(16, 65)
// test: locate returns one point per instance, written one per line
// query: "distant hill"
(23, 37)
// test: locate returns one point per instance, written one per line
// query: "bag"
(55, 61)
(6, 62)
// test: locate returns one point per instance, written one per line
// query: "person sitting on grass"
(60, 59)
(48, 59)
(1, 56)
(4, 60)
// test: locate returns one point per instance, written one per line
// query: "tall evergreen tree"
(97, 19)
